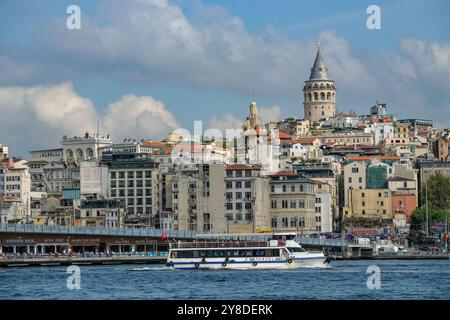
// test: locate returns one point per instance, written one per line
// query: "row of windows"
(293, 222)
(323, 97)
(238, 216)
(130, 183)
(238, 195)
(130, 174)
(291, 204)
(239, 173)
(138, 201)
(238, 184)
(238, 206)
(321, 86)
(225, 253)
(130, 192)
(292, 188)
(13, 178)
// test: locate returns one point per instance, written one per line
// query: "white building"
(87, 147)
(17, 186)
(381, 131)
(93, 179)
(323, 207)
(343, 121)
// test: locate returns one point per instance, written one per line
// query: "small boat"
(279, 252)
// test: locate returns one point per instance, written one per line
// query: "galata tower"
(319, 92)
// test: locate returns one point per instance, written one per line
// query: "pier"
(49, 260)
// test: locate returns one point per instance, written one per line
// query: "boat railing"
(218, 244)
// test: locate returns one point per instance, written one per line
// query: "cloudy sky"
(145, 67)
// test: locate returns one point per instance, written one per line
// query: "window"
(272, 188)
(229, 173)
(229, 185)
(239, 206)
(248, 206)
(360, 179)
(274, 204)
(349, 179)
(274, 222)
(238, 184)
(248, 184)
(363, 203)
(318, 200)
(248, 173)
(130, 175)
(292, 188)
(238, 195)
(301, 203)
(139, 174)
(238, 173)
(248, 195)
(229, 195)
(229, 206)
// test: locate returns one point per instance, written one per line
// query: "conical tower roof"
(319, 70)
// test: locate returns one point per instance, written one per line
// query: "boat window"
(296, 249)
(184, 254)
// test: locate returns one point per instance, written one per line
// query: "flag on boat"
(164, 236)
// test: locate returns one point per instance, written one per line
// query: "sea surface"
(399, 279)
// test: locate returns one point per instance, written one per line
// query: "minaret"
(319, 92)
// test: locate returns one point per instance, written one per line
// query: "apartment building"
(246, 198)
(292, 203)
(134, 179)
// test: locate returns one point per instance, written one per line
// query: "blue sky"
(205, 59)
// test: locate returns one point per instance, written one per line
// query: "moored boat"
(279, 252)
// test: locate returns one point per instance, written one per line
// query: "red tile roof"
(153, 144)
(285, 174)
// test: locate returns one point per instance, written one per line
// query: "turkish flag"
(164, 236)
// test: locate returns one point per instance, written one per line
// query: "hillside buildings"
(327, 172)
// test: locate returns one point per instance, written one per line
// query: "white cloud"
(142, 117)
(153, 40)
(37, 117)
(270, 114)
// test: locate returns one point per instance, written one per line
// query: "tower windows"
(322, 96)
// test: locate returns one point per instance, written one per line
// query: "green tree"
(438, 192)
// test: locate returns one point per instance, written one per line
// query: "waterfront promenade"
(40, 260)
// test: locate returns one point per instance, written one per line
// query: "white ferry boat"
(279, 252)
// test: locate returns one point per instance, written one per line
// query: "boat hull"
(249, 264)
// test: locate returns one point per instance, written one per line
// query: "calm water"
(344, 280)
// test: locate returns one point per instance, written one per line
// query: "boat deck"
(220, 244)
